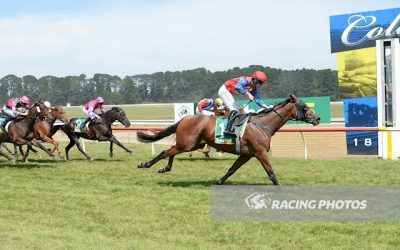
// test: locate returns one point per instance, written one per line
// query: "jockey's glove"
(268, 107)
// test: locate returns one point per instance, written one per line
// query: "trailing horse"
(98, 129)
(192, 132)
(19, 131)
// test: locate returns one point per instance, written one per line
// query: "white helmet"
(47, 104)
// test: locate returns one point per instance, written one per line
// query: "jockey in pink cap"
(13, 106)
(90, 107)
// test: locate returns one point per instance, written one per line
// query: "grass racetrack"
(109, 203)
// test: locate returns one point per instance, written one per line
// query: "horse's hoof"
(163, 170)
(141, 165)
(130, 152)
(220, 182)
(207, 155)
(111, 155)
(90, 159)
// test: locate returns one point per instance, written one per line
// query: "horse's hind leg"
(264, 159)
(236, 165)
(168, 167)
(75, 140)
(111, 149)
(164, 154)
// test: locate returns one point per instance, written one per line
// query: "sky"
(121, 37)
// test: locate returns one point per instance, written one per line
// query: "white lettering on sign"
(360, 22)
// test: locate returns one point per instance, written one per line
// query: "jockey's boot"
(230, 130)
(83, 125)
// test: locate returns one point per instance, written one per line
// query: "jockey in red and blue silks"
(209, 106)
(90, 107)
(245, 85)
(13, 104)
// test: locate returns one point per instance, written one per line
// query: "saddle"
(238, 121)
(239, 126)
(5, 121)
(81, 124)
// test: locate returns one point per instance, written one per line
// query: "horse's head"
(58, 112)
(121, 117)
(302, 112)
(39, 109)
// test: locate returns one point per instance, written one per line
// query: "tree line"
(165, 87)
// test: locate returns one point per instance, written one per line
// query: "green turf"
(109, 203)
(161, 112)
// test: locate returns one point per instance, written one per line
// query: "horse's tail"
(144, 137)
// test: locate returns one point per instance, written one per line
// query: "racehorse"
(19, 131)
(192, 132)
(98, 129)
(42, 129)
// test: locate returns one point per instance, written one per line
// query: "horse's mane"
(114, 109)
(279, 104)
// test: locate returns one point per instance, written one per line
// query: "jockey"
(244, 85)
(13, 106)
(90, 107)
(209, 106)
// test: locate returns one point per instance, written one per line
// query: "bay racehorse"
(192, 132)
(42, 129)
(98, 129)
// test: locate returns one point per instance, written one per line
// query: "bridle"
(118, 115)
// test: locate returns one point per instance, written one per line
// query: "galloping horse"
(18, 132)
(42, 128)
(192, 132)
(99, 129)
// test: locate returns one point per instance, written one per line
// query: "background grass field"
(143, 112)
(109, 203)
(166, 112)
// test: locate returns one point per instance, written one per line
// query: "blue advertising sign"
(360, 30)
(361, 112)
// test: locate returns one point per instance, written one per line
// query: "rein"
(271, 131)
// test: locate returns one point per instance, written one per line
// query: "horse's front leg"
(114, 140)
(55, 143)
(6, 156)
(15, 153)
(264, 160)
(22, 141)
(38, 144)
(21, 151)
(236, 165)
